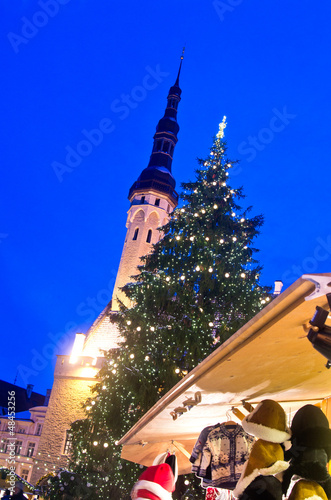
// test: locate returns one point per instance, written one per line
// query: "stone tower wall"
(72, 384)
(142, 217)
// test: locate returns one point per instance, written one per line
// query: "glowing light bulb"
(221, 240)
(177, 370)
(177, 237)
(138, 328)
(227, 275)
(234, 239)
(131, 356)
(152, 328)
(207, 238)
(197, 268)
(214, 183)
(215, 206)
(105, 445)
(211, 324)
(210, 269)
(95, 443)
(167, 278)
(128, 322)
(182, 278)
(243, 275)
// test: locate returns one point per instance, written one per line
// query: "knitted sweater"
(223, 456)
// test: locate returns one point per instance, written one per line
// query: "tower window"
(67, 443)
(165, 146)
(171, 149)
(142, 200)
(158, 145)
(149, 236)
(157, 202)
(135, 236)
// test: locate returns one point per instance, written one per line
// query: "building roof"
(22, 400)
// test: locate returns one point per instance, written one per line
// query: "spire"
(180, 67)
(157, 175)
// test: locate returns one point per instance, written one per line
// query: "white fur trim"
(314, 497)
(265, 433)
(245, 481)
(155, 488)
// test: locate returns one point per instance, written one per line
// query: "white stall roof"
(269, 357)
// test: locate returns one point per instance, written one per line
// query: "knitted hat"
(155, 483)
(307, 490)
(266, 459)
(310, 428)
(267, 421)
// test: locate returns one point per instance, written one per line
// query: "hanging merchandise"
(157, 482)
(223, 455)
(268, 421)
(307, 490)
(198, 447)
(265, 459)
(310, 449)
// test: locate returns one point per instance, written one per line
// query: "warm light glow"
(77, 348)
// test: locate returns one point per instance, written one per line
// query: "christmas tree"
(198, 286)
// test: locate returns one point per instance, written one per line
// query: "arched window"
(142, 200)
(149, 236)
(165, 146)
(135, 236)
(157, 202)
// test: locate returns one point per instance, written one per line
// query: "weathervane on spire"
(222, 125)
(180, 67)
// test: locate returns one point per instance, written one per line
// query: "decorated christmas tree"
(198, 286)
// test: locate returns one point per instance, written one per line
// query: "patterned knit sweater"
(223, 456)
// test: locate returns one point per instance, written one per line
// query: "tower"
(152, 198)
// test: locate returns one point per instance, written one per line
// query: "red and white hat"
(155, 483)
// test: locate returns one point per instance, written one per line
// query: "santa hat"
(263, 488)
(265, 459)
(169, 459)
(155, 483)
(310, 428)
(307, 490)
(267, 421)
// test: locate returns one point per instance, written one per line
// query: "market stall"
(269, 357)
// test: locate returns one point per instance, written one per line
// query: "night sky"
(93, 77)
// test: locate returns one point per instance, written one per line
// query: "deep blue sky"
(265, 65)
